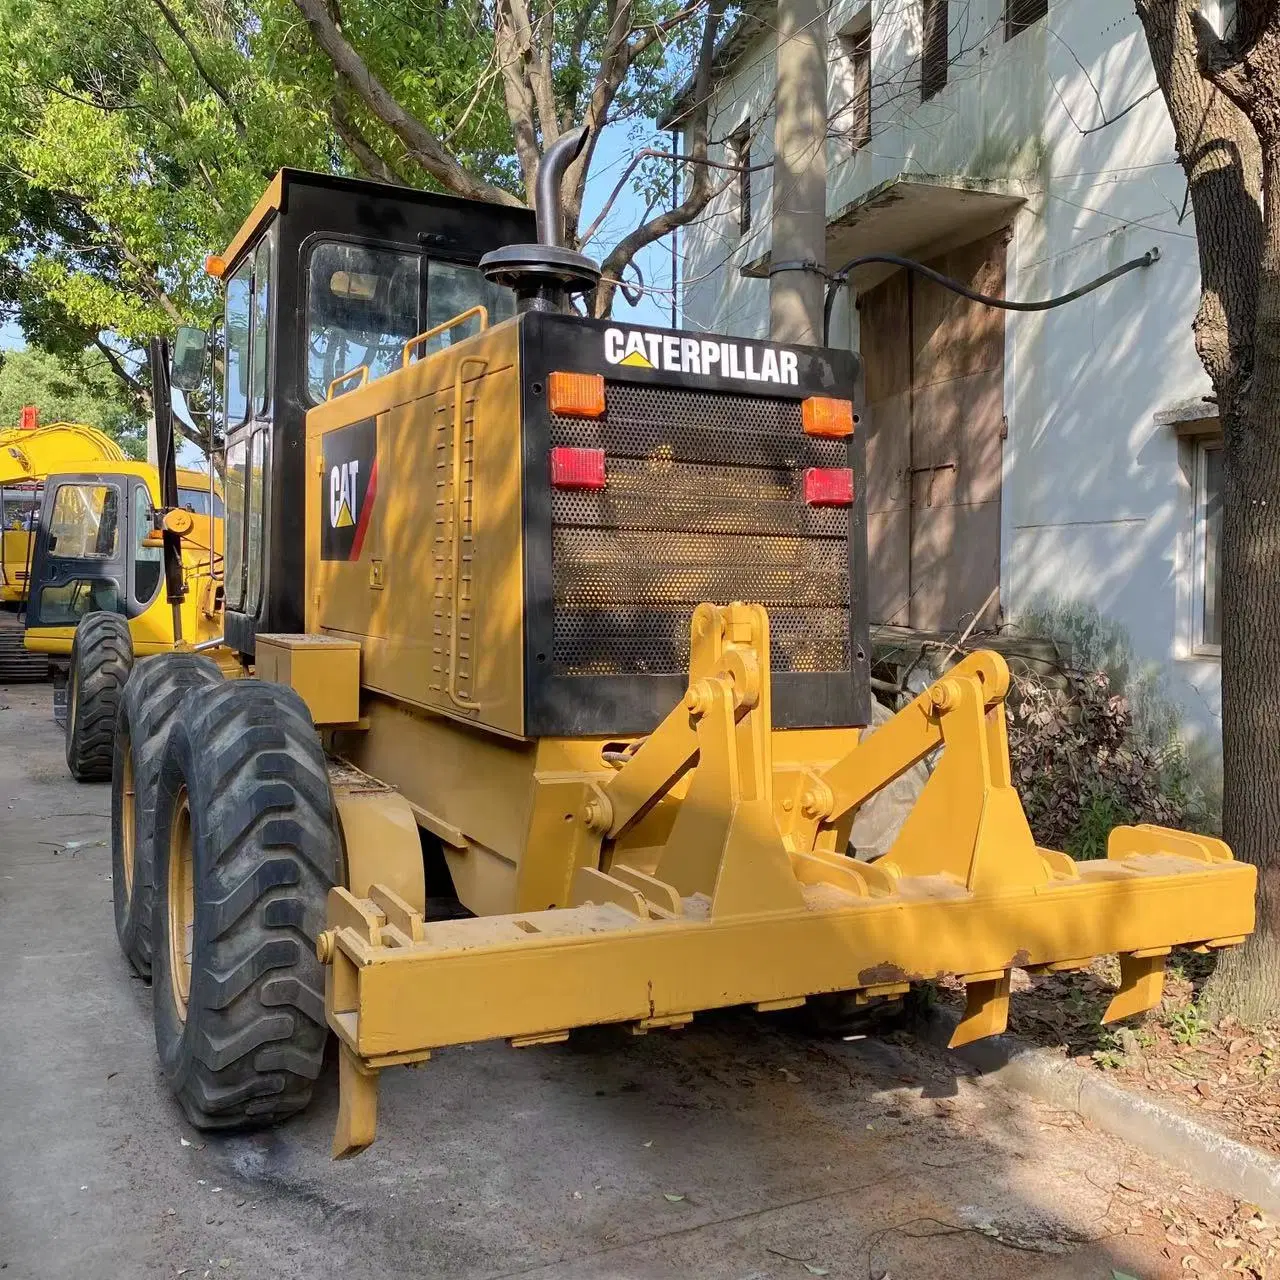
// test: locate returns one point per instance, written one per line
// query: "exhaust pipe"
(545, 275)
(551, 170)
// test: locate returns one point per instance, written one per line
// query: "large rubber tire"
(101, 659)
(246, 836)
(147, 707)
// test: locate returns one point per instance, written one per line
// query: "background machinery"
(126, 563)
(516, 756)
(29, 454)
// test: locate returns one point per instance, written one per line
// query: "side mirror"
(190, 346)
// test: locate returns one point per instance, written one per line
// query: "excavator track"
(19, 665)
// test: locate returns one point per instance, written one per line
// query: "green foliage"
(81, 390)
(1187, 1025)
(135, 138)
(128, 151)
(1081, 767)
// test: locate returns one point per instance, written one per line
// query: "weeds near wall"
(1082, 768)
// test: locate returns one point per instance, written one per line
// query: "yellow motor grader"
(558, 648)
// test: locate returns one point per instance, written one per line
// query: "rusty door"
(935, 400)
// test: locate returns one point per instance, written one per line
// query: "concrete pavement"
(732, 1149)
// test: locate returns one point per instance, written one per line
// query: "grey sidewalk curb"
(1214, 1160)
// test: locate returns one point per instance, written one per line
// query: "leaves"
(1080, 767)
(83, 390)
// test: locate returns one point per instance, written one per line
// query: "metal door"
(935, 393)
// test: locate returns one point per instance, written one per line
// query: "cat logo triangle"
(344, 520)
(636, 361)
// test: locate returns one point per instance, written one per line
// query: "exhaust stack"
(546, 274)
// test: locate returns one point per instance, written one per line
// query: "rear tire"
(101, 659)
(147, 707)
(246, 848)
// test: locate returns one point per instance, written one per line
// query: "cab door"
(90, 556)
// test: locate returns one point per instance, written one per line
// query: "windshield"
(362, 307)
(85, 522)
(197, 500)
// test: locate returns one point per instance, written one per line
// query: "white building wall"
(1096, 496)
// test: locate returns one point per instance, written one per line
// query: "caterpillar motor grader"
(559, 656)
(111, 534)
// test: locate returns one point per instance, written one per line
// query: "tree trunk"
(1246, 982)
(1232, 179)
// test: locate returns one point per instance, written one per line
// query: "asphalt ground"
(735, 1148)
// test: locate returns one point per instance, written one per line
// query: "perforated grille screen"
(703, 502)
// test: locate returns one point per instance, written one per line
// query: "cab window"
(261, 337)
(237, 453)
(66, 603)
(85, 522)
(21, 507)
(148, 564)
(248, 336)
(238, 326)
(362, 307)
(254, 521)
(197, 500)
(452, 289)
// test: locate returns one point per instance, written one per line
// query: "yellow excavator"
(101, 592)
(29, 454)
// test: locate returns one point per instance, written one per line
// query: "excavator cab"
(95, 551)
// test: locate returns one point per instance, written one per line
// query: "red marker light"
(577, 468)
(828, 486)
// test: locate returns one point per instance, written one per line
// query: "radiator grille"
(703, 502)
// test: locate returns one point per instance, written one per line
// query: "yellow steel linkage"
(752, 899)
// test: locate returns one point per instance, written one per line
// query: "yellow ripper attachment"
(753, 900)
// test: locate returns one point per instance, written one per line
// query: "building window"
(855, 42)
(1021, 14)
(740, 155)
(1207, 576)
(1221, 15)
(934, 53)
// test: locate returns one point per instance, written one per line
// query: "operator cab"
(325, 283)
(94, 552)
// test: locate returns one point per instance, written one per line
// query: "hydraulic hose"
(837, 278)
(986, 300)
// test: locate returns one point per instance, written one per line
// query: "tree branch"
(517, 94)
(423, 147)
(224, 97)
(700, 190)
(118, 368)
(354, 140)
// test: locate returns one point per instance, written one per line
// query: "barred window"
(934, 52)
(740, 154)
(1021, 14)
(857, 48)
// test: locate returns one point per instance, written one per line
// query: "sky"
(613, 153)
